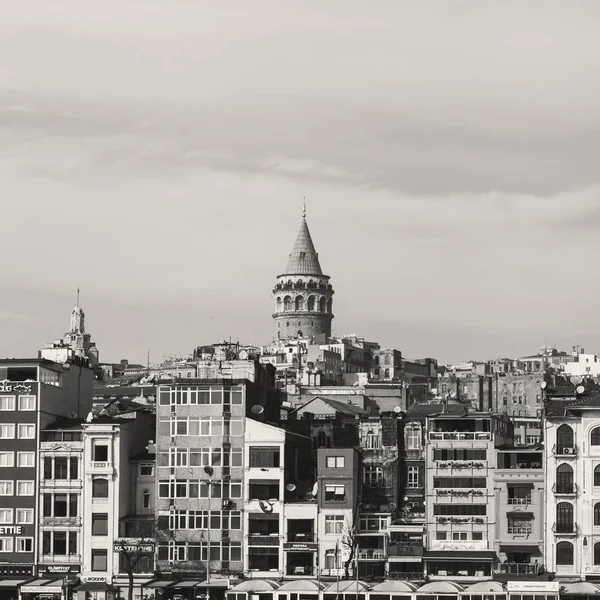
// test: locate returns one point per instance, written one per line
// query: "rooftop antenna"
(304, 208)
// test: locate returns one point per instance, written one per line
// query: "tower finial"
(304, 208)
(77, 296)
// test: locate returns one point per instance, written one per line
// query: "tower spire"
(304, 208)
(77, 296)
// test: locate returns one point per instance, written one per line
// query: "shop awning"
(42, 586)
(7, 583)
(95, 586)
(215, 583)
(184, 583)
(460, 556)
(160, 583)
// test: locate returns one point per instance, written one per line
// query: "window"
(459, 482)
(564, 517)
(61, 467)
(459, 536)
(519, 525)
(24, 516)
(564, 479)
(455, 510)
(60, 505)
(99, 560)
(263, 456)
(597, 514)
(564, 438)
(99, 524)
(7, 403)
(335, 493)
(564, 553)
(7, 432)
(373, 476)
(413, 477)
(146, 470)
(24, 544)
(26, 432)
(440, 535)
(26, 403)
(100, 452)
(334, 524)
(7, 459)
(335, 462)
(413, 438)
(597, 553)
(62, 543)
(6, 488)
(595, 437)
(477, 536)
(459, 454)
(6, 516)
(24, 488)
(6, 544)
(100, 488)
(26, 459)
(146, 499)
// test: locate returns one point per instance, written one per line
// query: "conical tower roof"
(304, 259)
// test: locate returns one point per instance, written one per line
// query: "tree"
(349, 540)
(139, 545)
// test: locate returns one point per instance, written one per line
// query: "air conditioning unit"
(568, 451)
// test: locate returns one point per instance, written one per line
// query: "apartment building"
(33, 392)
(461, 497)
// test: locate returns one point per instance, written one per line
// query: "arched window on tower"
(322, 304)
(279, 304)
(299, 303)
(329, 305)
(287, 303)
(311, 303)
(377, 360)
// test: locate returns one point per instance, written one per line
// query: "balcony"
(61, 521)
(521, 530)
(565, 450)
(565, 489)
(518, 569)
(522, 501)
(485, 436)
(256, 539)
(460, 464)
(372, 554)
(299, 570)
(565, 529)
(100, 467)
(52, 559)
(300, 537)
(414, 576)
(63, 484)
(405, 549)
(460, 493)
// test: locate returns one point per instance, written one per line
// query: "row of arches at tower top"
(311, 303)
(300, 284)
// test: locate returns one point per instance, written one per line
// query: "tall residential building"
(33, 392)
(461, 499)
(303, 296)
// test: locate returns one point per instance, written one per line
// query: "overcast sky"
(155, 153)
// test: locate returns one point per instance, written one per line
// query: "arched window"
(597, 514)
(387, 360)
(376, 372)
(564, 517)
(322, 305)
(597, 553)
(311, 303)
(595, 437)
(100, 488)
(287, 303)
(387, 374)
(597, 475)
(564, 479)
(279, 304)
(329, 305)
(412, 437)
(321, 440)
(564, 438)
(146, 499)
(564, 553)
(299, 303)
(377, 360)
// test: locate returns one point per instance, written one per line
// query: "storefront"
(42, 589)
(9, 588)
(96, 590)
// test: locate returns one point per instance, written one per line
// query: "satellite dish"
(257, 409)
(244, 355)
(315, 488)
(576, 380)
(290, 487)
(209, 470)
(543, 385)
(265, 506)
(397, 409)
(393, 506)
(580, 389)
(72, 415)
(405, 498)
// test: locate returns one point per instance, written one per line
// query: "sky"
(156, 153)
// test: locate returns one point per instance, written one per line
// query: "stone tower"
(303, 296)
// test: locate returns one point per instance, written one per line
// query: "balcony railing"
(405, 549)
(460, 435)
(565, 528)
(460, 464)
(565, 489)
(513, 568)
(371, 554)
(61, 521)
(255, 539)
(300, 570)
(406, 575)
(523, 501)
(300, 537)
(520, 530)
(51, 559)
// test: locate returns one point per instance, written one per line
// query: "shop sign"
(11, 529)
(36, 589)
(95, 579)
(300, 546)
(533, 586)
(7, 386)
(141, 548)
(59, 569)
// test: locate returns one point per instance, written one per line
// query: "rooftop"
(304, 259)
